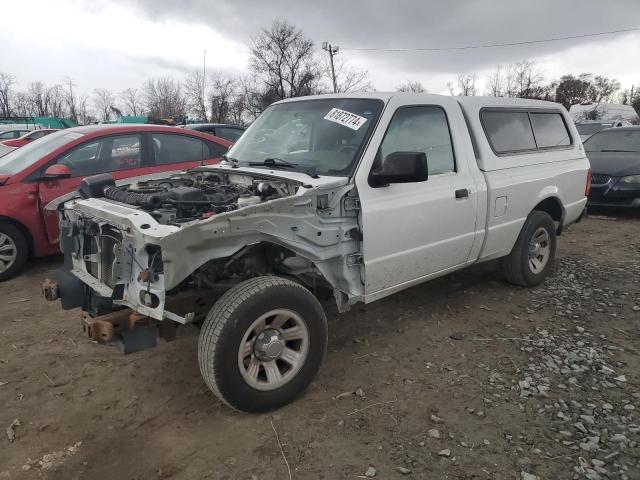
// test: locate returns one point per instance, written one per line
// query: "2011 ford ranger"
(350, 196)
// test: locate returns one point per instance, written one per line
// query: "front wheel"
(14, 251)
(262, 343)
(533, 255)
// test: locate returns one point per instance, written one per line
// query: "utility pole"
(333, 50)
(204, 83)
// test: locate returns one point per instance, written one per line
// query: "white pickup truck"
(350, 196)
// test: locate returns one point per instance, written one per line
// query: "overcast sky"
(116, 44)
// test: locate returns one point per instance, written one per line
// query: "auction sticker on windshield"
(347, 119)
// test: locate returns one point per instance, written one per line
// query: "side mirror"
(57, 171)
(400, 167)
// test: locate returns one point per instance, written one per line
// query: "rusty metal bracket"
(50, 290)
(98, 330)
(102, 328)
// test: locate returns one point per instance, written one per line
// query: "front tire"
(262, 343)
(534, 253)
(14, 251)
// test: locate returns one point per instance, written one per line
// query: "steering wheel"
(348, 149)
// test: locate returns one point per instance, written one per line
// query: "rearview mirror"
(57, 171)
(400, 167)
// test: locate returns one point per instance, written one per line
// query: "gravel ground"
(465, 377)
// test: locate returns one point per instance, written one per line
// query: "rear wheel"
(533, 255)
(14, 251)
(262, 343)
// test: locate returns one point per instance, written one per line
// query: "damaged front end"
(156, 254)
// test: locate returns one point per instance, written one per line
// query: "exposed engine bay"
(151, 242)
(189, 196)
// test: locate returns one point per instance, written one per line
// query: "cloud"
(412, 23)
(127, 41)
(431, 23)
(105, 44)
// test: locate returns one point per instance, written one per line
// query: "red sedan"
(47, 168)
(29, 137)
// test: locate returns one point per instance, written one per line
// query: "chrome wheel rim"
(273, 349)
(539, 250)
(8, 252)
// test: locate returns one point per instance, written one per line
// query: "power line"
(493, 45)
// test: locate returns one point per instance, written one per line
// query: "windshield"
(21, 158)
(4, 149)
(325, 135)
(614, 141)
(591, 128)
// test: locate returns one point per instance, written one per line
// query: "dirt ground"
(527, 383)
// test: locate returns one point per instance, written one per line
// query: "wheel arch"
(24, 230)
(553, 206)
(261, 251)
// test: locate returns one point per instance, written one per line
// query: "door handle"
(462, 193)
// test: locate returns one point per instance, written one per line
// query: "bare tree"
(239, 109)
(103, 99)
(528, 81)
(163, 98)
(131, 101)
(412, 86)
(253, 96)
(604, 88)
(467, 85)
(70, 98)
(20, 104)
(84, 117)
(195, 91)
(38, 98)
(57, 101)
(521, 80)
(496, 83)
(624, 97)
(221, 97)
(6, 91)
(348, 78)
(283, 58)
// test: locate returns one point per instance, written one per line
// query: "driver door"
(420, 229)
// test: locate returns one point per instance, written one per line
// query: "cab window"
(421, 129)
(522, 131)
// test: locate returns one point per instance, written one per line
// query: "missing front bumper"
(127, 330)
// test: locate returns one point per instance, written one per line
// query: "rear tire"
(262, 343)
(533, 255)
(14, 251)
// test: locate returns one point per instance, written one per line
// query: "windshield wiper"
(623, 151)
(312, 172)
(273, 162)
(279, 163)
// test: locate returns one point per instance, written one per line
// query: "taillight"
(587, 188)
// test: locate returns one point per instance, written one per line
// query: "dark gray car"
(614, 155)
(222, 130)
